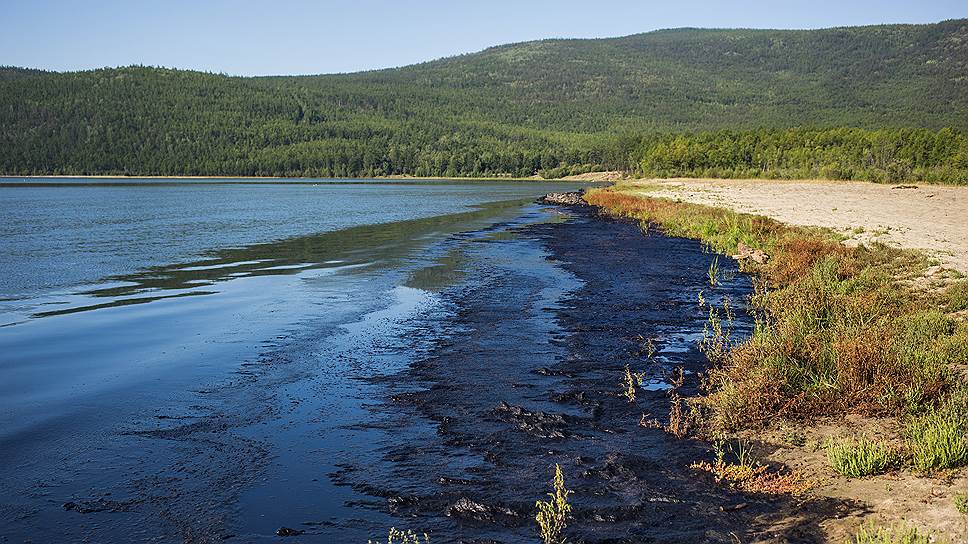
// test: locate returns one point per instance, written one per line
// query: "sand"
(929, 217)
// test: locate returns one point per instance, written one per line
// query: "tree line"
(888, 155)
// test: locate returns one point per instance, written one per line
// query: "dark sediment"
(523, 383)
(516, 365)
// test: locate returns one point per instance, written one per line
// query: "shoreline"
(590, 177)
(749, 394)
(925, 217)
(540, 386)
(381, 178)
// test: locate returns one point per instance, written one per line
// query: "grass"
(552, 516)
(938, 439)
(961, 502)
(396, 536)
(861, 457)
(957, 296)
(713, 272)
(881, 535)
(743, 472)
(837, 329)
(630, 384)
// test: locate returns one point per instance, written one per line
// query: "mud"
(530, 375)
(441, 406)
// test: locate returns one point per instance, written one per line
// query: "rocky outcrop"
(572, 198)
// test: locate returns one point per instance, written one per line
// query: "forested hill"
(553, 106)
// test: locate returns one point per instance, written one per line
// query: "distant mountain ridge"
(510, 109)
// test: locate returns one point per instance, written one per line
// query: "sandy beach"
(933, 218)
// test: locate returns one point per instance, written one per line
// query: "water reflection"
(355, 248)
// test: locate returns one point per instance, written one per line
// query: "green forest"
(885, 103)
(842, 153)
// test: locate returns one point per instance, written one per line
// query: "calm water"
(62, 235)
(136, 315)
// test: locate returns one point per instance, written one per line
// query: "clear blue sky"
(249, 37)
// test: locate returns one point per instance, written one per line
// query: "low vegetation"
(938, 439)
(860, 457)
(630, 384)
(743, 472)
(881, 535)
(836, 330)
(961, 503)
(956, 297)
(552, 516)
(396, 536)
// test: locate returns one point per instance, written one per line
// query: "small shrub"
(938, 439)
(631, 383)
(961, 502)
(716, 340)
(713, 272)
(746, 474)
(860, 457)
(397, 536)
(650, 348)
(678, 421)
(552, 515)
(880, 535)
(753, 478)
(957, 296)
(795, 437)
(650, 423)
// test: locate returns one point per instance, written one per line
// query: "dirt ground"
(929, 217)
(899, 499)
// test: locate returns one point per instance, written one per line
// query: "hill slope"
(511, 109)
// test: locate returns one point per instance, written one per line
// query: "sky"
(252, 37)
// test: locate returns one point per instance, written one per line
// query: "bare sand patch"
(900, 498)
(612, 175)
(932, 218)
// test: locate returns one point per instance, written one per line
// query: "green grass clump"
(939, 439)
(961, 502)
(396, 536)
(860, 457)
(957, 296)
(713, 272)
(880, 535)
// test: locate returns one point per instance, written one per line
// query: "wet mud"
(441, 407)
(530, 375)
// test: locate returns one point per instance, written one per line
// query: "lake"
(224, 361)
(123, 302)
